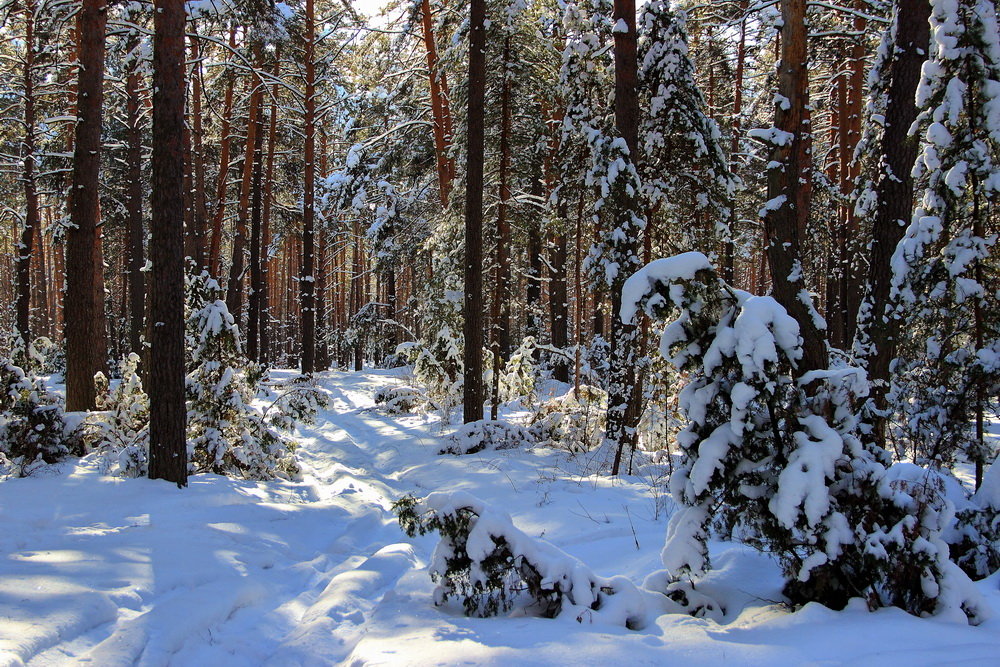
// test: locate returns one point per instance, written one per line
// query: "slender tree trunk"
(219, 214)
(789, 187)
(256, 275)
(500, 311)
(198, 196)
(307, 282)
(621, 391)
(475, 157)
(558, 296)
(86, 330)
(234, 290)
(440, 110)
(167, 409)
(265, 262)
(133, 206)
(878, 328)
(31, 218)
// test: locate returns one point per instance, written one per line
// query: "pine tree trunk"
(86, 330)
(558, 296)
(500, 311)
(133, 207)
(265, 262)
(894, 195)
(440, 110)
(307, 282)
(256, 275)
(621, 416)
(198, 196)
(234, 289)
(475, 157)
(219, 214)
(31, 218)
(789, 188)
(167, 409)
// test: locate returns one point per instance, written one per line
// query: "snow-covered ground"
(103, 571)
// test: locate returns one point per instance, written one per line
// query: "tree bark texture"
(307, 281)
(475, 154)
(85, 330)
(167, 408)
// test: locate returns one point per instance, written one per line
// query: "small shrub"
(493, 567)
(571, 422)
(33, 427)
(487, 434)
(399, 400)
(120, 433)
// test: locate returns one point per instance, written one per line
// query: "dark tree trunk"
(256, 273)
(31, 219)
(500, 311)
(86, 335)
(894, 195)
(558, 306)
(622, 412)
(133, 208)
(265, 262)
(167, 409)
(199, 214)
(790, 178)
(307, 282)
(475, 153)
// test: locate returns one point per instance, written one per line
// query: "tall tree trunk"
(307, 282)
(234, 289)
(86, 330)
(31, 218)
(167, 409)
(199, 214)
(265, 262)
(475, 157)
(789, 187)
(219, 214)
(133, 206)
(500, 311)
(256, 275)
(621, 387)
(558, 297)
(440, 111)
(877, 328)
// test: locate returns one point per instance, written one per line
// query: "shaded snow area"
(103, 571)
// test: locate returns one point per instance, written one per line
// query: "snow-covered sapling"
(493, 567)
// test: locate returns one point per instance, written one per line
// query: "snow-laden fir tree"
(33, 428)
(122, 437)
(778, 453)
(685, 173)
(227, 434)
(945, 275)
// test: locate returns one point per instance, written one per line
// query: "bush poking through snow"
(487, 434)
(121, 430)
(493, 567)
(32, 423)
(399, 400)
(574, 422)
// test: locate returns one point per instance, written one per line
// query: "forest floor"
(105, 571)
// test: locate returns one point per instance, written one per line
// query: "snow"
(107, 571)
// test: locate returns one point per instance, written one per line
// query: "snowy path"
(100, 571)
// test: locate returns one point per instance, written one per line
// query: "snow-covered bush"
(399, 400)
(517, 379)
(33, 427)
(573, 421)
(487, 434)
(297, 402)
(974, 539)
(121, 429)
(493, 567)
(437, 365)
(778, 453)
(227, 434)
